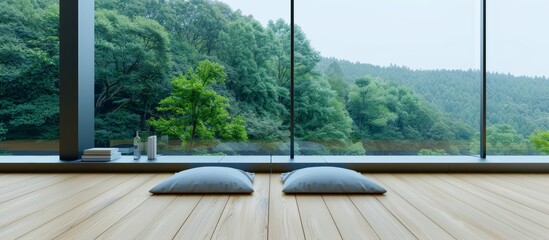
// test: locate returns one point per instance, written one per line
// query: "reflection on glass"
(517, 83)
(207, 77)
(29, 92)
(387, 77)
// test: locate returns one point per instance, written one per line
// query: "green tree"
(501, 139)
(369, 107)
(334, 75)
(306, 57)
(254, 83)
(385, 111)
(29, 61)
(540, 140)
(281, 60)
(246, 47)
(198, 22)
(320, 116)
(280, 63)
(194, 111)
(131, 69)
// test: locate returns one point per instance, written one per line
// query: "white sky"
(420, 34)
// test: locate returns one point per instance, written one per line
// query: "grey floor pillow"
(328, 180)
(207, 180)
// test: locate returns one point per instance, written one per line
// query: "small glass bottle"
(136, 146)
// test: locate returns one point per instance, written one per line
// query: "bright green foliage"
(540, 140)
(203, 29)
(194, 111)
(502, 139)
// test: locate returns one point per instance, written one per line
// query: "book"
(100, 151)
(101, 158)
(101, 155)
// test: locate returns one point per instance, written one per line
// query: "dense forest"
(212, 80)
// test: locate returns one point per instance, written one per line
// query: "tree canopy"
(194, 111)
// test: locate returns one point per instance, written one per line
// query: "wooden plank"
(315, 218)
(95, 225)
(527, 212)
(284, 221)
(503, 215)
(513, 194)
(142, 216)
(75, 216)
(439, 206)
(172, 218)
(418, 214)
(23, 206)
(541, 192)
(203, 220)
(349, 221)
(22, 226)
(250, 210)
(483, 221)
(382, 221)
(28, 185)
(7, 179)
(540, 179)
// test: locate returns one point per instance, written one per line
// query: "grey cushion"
(328, 180)
(207, 180)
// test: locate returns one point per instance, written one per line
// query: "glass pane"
(207, 77)
(387, 77)
(29, 92)
(517, 82)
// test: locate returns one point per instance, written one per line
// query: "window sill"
(493, 164)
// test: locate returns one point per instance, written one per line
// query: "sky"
(420, 34)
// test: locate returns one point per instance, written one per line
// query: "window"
(213, 77)
(517, 84)
(29, 92)
(387, 77)
(207, 77)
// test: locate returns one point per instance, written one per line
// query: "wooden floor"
(416, 206)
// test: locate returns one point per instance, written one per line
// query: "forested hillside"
(519, 101)
(217, 81)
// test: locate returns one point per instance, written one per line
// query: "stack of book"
(101, 154)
